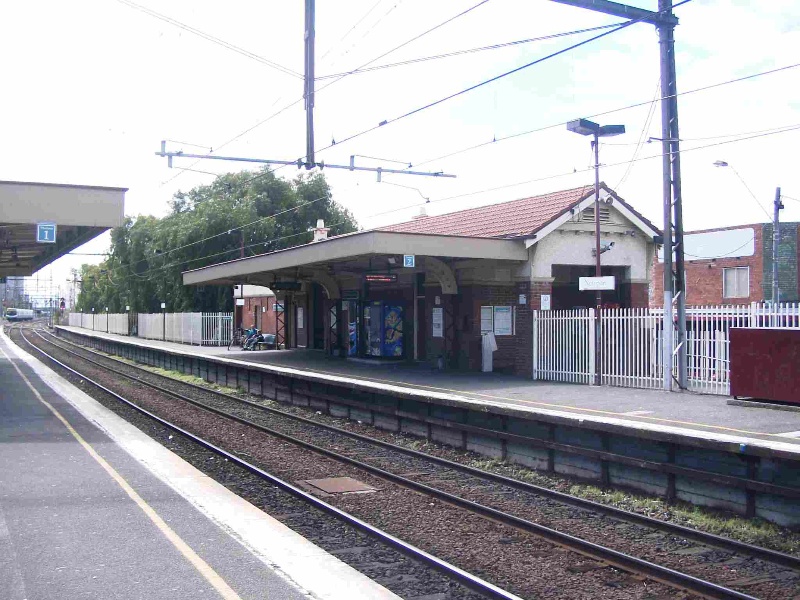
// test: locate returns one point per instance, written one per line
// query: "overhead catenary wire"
(211, 38)
(519, 134)
(640, 142)
(490, 80)
(329, 84)
(412, 61)
(349, 31)
(151, 272)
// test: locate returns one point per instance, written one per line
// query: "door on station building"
(422, 319)
(318, 317)
(257, 320)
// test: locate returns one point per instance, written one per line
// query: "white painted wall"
(573, 242)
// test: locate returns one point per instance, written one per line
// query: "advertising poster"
(392, 330)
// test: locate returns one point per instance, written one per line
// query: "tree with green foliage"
(207, 225)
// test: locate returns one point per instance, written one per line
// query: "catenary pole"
(309, 83)
(673, 198)
(776, 242)
(598, 271)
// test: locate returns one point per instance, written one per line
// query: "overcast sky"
(93, 86)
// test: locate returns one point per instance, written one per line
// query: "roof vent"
(588, 214)
(320, 231)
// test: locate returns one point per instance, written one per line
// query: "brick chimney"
(423, 214)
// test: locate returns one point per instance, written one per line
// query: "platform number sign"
(408, 260)
(46, 233)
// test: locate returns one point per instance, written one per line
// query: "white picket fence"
(631, 344)
(207, 329)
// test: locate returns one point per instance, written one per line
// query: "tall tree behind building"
(206, 225)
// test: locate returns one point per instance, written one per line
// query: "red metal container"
(765, 364)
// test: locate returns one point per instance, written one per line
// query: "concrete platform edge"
(703, 438)
(304, 565)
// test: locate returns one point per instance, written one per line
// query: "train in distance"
(19, 314)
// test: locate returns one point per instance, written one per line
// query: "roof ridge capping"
(519, 218)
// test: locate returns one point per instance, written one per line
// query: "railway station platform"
(91, 507)
(680, 412)
(682, 446)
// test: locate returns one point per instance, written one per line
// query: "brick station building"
(428, 289)
(733, 265)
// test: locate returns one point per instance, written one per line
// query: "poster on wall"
(300, 320)
(392, 330)
(503, 322)
(487, 319)
(438, 322)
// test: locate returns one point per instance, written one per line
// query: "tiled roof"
(508, 219)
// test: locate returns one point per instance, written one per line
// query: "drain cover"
(339, 485)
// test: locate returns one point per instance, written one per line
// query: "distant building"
(733, 265)
(12, 292)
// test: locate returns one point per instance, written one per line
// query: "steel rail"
(665, 575)
(459, 575)
(709, 539)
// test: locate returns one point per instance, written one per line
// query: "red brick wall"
(514, 352)
(537, 288)
(704, 277)
(640, 295)
(267, 318)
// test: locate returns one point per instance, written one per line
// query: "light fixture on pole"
(586, 127)
(776, 229)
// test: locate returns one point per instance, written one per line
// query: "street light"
(776, 228)
(586, 127)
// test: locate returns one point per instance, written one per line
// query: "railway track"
(440, 486)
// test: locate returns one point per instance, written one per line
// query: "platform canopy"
(354, 253)
(41, 222)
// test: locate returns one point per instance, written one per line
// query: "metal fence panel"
(631, 344)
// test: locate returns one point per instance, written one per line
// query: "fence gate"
(563, 345)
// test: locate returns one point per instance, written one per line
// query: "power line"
(640, 142)
(301, 98)
(211, 38)
(349, 31)
(600, 114)
(491, 80)
(576, 171)
(467, 51)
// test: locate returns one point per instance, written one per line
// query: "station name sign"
(286, 286)
(380, 277)
(596, 283)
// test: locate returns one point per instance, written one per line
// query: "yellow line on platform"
(208, 573)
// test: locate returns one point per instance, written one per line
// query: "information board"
(438, 322)
(487, 319)
(503, 321)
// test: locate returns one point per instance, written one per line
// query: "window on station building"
(736, 282)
